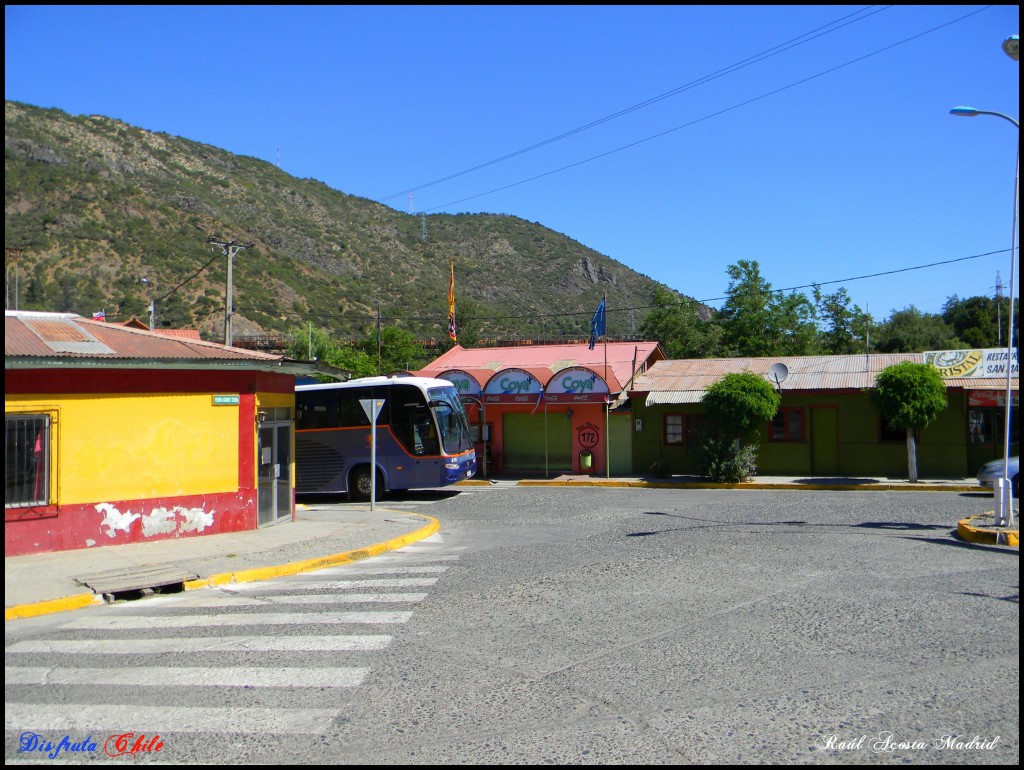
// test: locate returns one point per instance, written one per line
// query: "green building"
(825, 426)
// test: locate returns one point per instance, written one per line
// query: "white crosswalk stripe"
(348, 643)
(231, 599)
(254, 619)
(156, 676)
(272, 634)
(338, 585)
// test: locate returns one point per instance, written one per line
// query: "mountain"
(101, 215)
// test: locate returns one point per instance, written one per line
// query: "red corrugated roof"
(46, 337)
(185, 334)
(551, 359)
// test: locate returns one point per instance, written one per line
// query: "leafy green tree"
(399, 351)
(737, 405)
(909, 396)
(980, 322)
(758, 321)
(316, 345)
(676, 323)
(911, 331)
(843, 327)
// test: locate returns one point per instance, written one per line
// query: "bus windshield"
(451, 420)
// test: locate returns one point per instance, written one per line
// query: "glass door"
(274, 483)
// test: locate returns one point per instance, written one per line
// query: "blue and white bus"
(423, 437)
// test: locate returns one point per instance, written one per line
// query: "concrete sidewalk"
(318, 536)
(322, 535)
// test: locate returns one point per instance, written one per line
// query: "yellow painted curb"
(988, 535)
(51, 606)
(243, 576)
(308, 565)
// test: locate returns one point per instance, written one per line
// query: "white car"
(991, 471)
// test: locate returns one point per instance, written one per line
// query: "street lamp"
(1005, 514)
(1012, 47)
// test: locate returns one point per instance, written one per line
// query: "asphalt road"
(569, 626)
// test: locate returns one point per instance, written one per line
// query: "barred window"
(27, 460)
(788, 425)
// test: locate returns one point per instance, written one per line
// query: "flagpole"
(452, 328)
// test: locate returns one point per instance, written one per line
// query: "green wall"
(941, 451)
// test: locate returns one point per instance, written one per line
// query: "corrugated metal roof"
(185, 334)
(676, 382)
(47, 339)
(552, 358)
(674, 397)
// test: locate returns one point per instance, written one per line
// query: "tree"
(909, 396)
(737, 404)
(980, 322)
(842, 326)
(758, 321)
(911, 331)
(316, 345)
(399, 350)
(676, 323)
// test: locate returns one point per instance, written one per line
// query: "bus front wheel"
(359, 485)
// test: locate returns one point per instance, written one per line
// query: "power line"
(756, 58)
(709, 116)
(588, 313)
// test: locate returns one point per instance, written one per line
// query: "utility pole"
(7, 302)
(378, 338)
(999, 309)
(230, 248)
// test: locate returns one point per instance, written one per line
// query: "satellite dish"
(777, 373)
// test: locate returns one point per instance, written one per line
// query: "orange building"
(549, 408)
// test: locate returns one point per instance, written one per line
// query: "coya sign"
(512, 386)
(465, 384)
(577, 385)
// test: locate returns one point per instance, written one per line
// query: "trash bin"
(586, 461)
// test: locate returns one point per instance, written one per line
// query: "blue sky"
(677, 140)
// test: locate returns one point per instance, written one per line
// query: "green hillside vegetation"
(93, 206)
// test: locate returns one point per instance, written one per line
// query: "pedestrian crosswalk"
(165, 663)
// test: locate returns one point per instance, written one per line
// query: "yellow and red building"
(118, 435)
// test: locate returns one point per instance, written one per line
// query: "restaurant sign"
(955, 364)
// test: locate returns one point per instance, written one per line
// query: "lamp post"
(1005, 512)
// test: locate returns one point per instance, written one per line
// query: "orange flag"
(451, 304)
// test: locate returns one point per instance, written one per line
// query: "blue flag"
(597, 324)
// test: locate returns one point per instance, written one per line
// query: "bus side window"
(316, 410)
